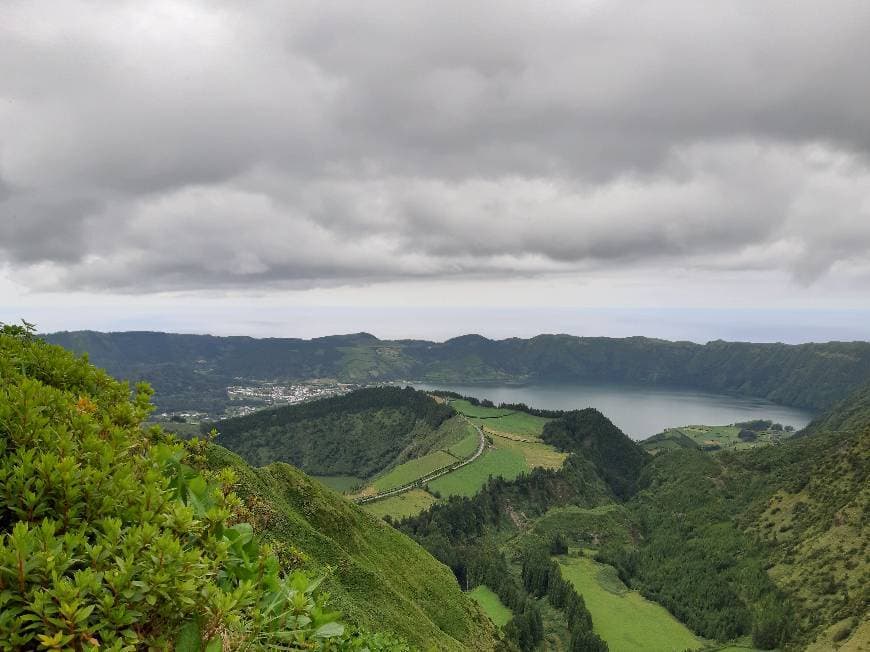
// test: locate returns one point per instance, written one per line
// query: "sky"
(415, 169)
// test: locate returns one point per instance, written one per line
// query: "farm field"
(520, 424)
(534, 453)
(401, 505)
(491, 605)
(339, 483)
(464, 448)
(469, 479)
(627, 621)
(711, 438)
(413, 469)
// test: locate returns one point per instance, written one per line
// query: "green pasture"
(535, 453)
(409, 503)
(627, 621)
(413, 469)
(339, 483)
(520, 424)
(491, 605)
(465, 447)
(464, 407)
(468, 480)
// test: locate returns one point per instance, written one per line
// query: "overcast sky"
(681, 169)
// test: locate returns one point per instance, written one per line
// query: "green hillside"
(771, 541)
(376, 576)
(359, 434)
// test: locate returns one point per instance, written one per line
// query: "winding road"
(419, 482)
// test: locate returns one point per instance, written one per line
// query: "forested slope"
(772, 541)
(184, 367)
(358, 434)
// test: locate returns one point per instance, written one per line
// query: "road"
(419, 482)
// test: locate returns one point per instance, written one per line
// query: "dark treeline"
(617, 458)
(461, 519)
(542, 577)
(357, 434)
(512, 407)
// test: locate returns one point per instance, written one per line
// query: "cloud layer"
(214, 145)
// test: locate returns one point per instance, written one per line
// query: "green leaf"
(188, 638)
(215, 645)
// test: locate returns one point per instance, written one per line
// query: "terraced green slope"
(377, 576)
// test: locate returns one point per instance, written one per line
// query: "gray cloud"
(158, 146)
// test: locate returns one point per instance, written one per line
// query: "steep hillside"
(771, 541)
(375, 575)
(358, 435)
(617, 459)
(808, 375)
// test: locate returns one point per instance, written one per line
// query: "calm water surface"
(638, 411)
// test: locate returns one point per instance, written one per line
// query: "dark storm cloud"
(211, 145)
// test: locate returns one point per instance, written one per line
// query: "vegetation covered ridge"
(194, 370)
(359, 434)
(771, 542)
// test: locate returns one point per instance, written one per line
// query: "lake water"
(639, 411)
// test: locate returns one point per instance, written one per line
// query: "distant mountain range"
(193, 371)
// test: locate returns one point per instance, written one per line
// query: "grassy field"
(339, 483)
(413, 469)
(519, 423)
(409, 503)
(491, 605)
(710, 438)
(464, 407)
(627, 621)
(469, 479)
(502, 421)
(534, 453)
(466, 447)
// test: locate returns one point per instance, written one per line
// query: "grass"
(627, 621)
(375, 575)
(468, 480)
(535, 454)
(464, 448)
(710, 438)
(401, 505)
(520, 424)
(413, 469)
(339, 483)
(491, 605)
(464, 407)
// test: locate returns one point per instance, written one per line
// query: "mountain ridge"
(812, 375)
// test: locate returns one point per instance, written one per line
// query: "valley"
(546, 528)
